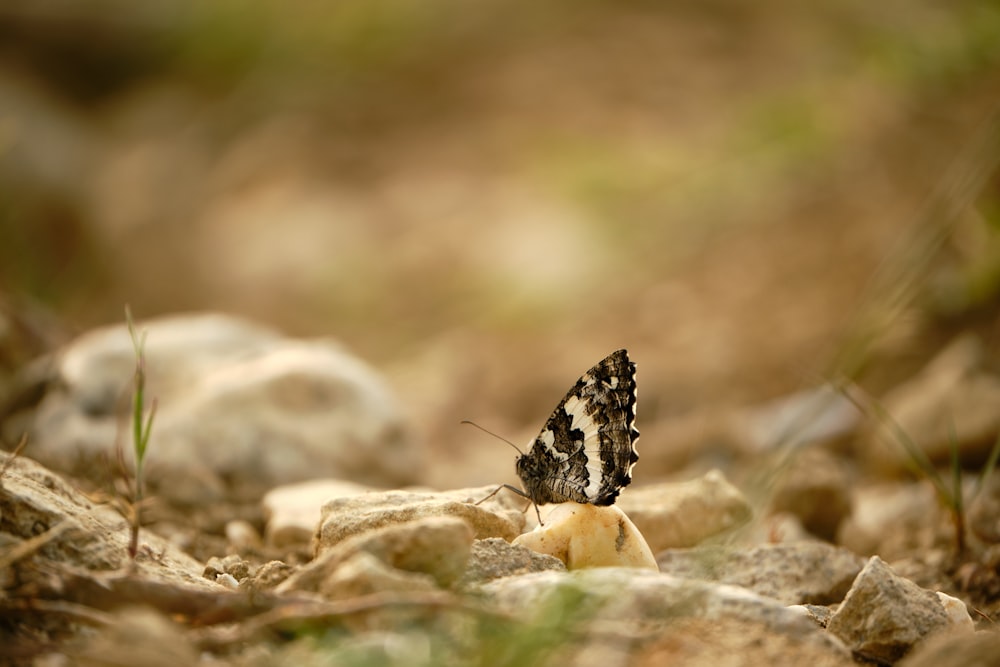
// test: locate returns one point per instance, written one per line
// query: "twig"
(78, 612)
(32, 545)
(22, 443)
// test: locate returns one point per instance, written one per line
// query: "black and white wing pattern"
(586, 450)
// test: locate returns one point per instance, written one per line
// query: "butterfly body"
(586, 450)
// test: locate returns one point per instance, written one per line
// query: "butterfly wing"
(586, 450)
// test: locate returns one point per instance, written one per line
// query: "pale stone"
(437, 546)
(293, 511)
(584, 536)
(500, 516)
(227, 580)
(268, 576)
(232, 565)
(958, 613)
(240, 409)
(675, 515)
(818, 614)
(242, 536)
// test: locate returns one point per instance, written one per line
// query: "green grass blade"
(147, 430)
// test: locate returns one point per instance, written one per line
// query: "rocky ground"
(346, 227)
(255, 549)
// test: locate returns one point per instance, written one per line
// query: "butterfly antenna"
(471, 423)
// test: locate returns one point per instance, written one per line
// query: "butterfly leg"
(537, 513)
(500, 488)
(518, 492)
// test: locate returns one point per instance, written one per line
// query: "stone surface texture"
(341, 518)
(240, 409)
(797, 573)
(682, 514)
(884, 616)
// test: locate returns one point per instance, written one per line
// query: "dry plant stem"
(257, 612)
(29, 547)
(21, 444)
(78, 612)
(110, 591)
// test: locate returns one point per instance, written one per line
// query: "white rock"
(958, 613)
(584, 536)
(227, 580)
(240, 410)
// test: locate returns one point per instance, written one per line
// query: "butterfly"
(586, 450)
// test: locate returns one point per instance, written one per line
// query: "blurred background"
(483, 200)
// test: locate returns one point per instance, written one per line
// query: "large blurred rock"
(293, 511)
(240, 409)
(815, 488)
(892, 519)
(956, 650)
(953, 400)
(83, 536)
